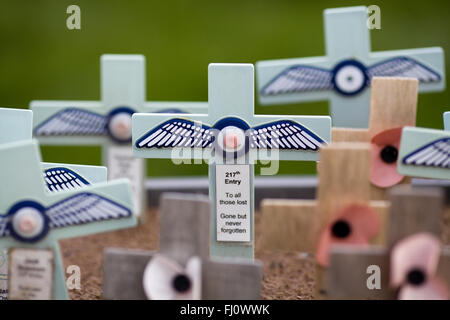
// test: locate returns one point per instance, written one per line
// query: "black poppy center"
(389, 154)
(181, 283)
(416, 277)
(341, 229)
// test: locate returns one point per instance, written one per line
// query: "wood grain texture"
(347, 276)
(231, 279)
(414, 210)
(286, 224)
(184, 224)
(393, 103)
(443, 272)
(343, 180)
(349, 135)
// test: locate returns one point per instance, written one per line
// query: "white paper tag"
(233, 202)
(30, 274)
(3, 274)
(122, 164)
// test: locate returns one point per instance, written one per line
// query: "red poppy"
(355, 224)
(383, 169)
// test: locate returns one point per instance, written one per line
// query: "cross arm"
(92, 174)
(350, 269)
(231, 279)
(118, 191)
(123, 271)
(50, 121)
(432, 59)
(270, 71)
(422, 153)
(286, 224)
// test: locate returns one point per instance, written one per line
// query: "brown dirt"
(287, 275)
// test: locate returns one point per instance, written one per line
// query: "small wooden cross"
(344, 170)
(425, 153)
(108, 122)
(343, 76)
(230, 138)
(183, 236)
(32, 220)
(393, 105)
(367, 273)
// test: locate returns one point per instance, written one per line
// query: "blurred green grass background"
(41, 59)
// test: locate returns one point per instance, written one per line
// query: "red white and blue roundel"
(59, 178)
(349, 77)
(80, 122)
(28, 221)
(231, 135)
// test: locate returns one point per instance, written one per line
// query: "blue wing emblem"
(84, 208)
(58, 179)
(73, 121)
(299, 79)
(403, 67)
(178, 133)
(284, 134)
(434, 154)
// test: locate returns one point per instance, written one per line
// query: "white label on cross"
(122, 164)
(233, 203)
(31, 274)
(3, 274)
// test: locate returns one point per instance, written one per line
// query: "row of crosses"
(44, 202)
(34, 217)
(108, 122)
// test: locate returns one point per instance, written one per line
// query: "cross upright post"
(231, 138)
(343, 76)
(424, 153)
(108, 122)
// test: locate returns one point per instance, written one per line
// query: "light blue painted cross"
(425, 152)
(447, 120)
(32, 220)
(230, 138)
(16, 125)
(108, 122)
(343, 76)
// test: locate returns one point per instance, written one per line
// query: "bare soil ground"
(287, 275)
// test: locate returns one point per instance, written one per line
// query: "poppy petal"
(355, 224)
(384, 153)
(161, 276)
(414, 258)
(431, 290)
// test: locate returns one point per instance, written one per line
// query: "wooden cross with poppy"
(181, 269)
(412, 265)
(342, 213)
(393, 105)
